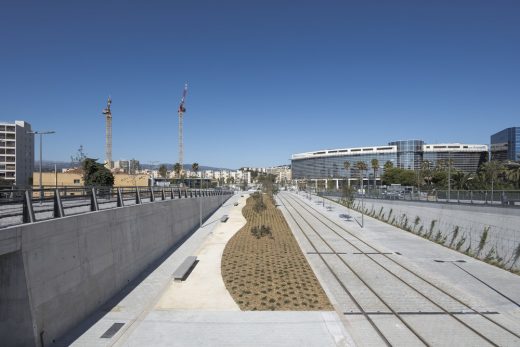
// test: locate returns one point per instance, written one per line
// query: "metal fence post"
(120, 201)
(28, 212)
(137, 196)
(93, 200)
(58, 206)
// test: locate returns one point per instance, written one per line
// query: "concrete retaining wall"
(454, 224)
(55, 273)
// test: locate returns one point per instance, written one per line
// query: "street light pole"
(41, 133)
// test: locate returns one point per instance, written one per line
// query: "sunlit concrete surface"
(393, 287)
(199, 311)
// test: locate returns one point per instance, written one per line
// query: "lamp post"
(41, 133)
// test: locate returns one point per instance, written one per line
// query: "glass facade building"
(331, 163)
(409, 154)
(505, 145)
(465, 158)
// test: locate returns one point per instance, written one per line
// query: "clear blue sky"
(267, 78)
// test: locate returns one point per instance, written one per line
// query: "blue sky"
(267, 78)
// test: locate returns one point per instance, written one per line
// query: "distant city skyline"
(266, 79)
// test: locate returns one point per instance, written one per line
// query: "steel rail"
(354, 272)
(407, 269)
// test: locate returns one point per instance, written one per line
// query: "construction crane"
(181, 111)
(108, 134)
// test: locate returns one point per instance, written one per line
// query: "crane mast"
(108, 134)
(181, 112)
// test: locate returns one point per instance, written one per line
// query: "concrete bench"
(224, 218)
(185, 268)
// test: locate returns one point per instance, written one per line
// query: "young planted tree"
(163, 171)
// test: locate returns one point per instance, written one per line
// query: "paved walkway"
(199, 311)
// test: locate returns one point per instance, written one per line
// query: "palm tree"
(195, 167)
(346, 165)
(361, 166)
(461, 181)
(513, 173)
(491, 170)
(177, 168)
(388, 165)
(375, 167)
(426, 172)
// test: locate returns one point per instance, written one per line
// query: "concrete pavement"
(199, 311)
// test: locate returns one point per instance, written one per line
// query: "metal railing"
(31, 205)
(506, 198)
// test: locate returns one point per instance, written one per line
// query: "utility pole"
(41, 133)
(449, 176)
(181, 112)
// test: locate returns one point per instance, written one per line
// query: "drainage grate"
(112, 330)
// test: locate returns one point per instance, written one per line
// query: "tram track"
(292, 202)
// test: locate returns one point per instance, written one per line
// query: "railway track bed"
(388, 297)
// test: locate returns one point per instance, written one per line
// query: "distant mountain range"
(49, 166)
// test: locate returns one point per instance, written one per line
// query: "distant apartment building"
(74, 178)
(505, 144)
(16, 153)
(127, 166)
(282, 173)
(409, 154)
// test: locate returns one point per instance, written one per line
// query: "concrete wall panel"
(71, 266)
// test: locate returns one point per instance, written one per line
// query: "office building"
(16, 153)
(505, 145)
(465, 158)
(409, 154)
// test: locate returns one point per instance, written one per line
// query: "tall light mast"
(181, 111)
(108, 135)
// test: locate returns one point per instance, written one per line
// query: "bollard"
(28, 212)
(186, 193)
(152, 195)
(163, 195)
(171, 193)
(179, 191)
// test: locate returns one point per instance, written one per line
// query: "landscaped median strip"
(263, 266)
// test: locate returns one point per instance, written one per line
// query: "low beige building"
(75, 179)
